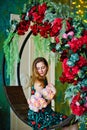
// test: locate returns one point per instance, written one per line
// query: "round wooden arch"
(16, 97)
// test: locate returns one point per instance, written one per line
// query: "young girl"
(40, 114)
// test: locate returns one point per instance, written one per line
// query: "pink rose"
(71, 33)
(64, 35)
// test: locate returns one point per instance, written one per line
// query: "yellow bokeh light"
(79, 12)
(78, 6)
(81, 1)
(85, 20)
(85, 6)
(73, 3)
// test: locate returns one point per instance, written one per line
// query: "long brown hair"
(35, 75)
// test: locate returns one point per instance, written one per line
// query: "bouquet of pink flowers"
(37, 102)
(49, 92)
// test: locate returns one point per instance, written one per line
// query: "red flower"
(64, 79)
(77, 109)
(53, 50)
(33, 122)
(39, 125)
(44, 29)
(45, 129)
(56, 26)
(69, 73)
(34, 29)
(63, 55)
(57, 39)
(84, 88)
(37, 18)
(85, 32)
(64, 116)
(82, 61)
(23, 27)
(23, 16)
(32, 10)
(76, 44)
(37, 13)
(42, 8)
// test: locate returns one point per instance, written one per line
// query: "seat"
(17, 101)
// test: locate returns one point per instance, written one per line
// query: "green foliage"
(41, 45)
(10, 48)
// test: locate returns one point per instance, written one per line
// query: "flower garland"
(68, 38)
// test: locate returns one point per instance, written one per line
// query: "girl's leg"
(66, 128)
(74, 127)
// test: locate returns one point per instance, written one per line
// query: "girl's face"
(41, 69)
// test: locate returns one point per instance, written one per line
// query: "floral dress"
(44, 118)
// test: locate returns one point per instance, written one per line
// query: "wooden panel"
(17, 101)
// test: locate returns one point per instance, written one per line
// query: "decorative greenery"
(66, 37)
(11, 52)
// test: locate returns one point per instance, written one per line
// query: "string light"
(79, 7)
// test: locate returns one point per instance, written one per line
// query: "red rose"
(82, 61)
(44, 29)
(33, 9)
(56, 26)
(75, 70)
(64, 79)
(77, 109)
(84, 88)
(37, 18)
(55, 30)
(34, 29)
(20, 32)
(57, 21)
(23, 27)
(42, 8)
(76, 44)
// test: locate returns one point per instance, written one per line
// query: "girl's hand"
(49, 92)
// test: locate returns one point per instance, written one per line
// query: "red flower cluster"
(76, 44)
(23, 27)
(37, 13)
(56, 27)
(77, 108)
(36, 16)
(69, 73)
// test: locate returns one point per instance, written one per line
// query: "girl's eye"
(41, 68)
